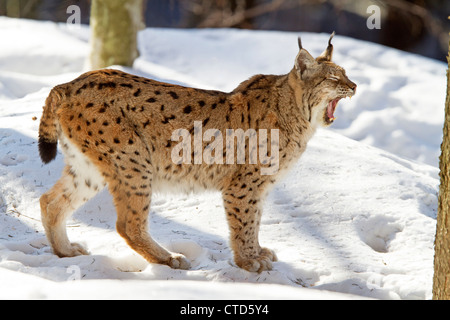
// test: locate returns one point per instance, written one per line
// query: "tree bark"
(441, 281)
(114, 25)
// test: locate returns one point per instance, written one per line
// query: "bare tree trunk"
(13, 8)
(115, 24)
(441, 281)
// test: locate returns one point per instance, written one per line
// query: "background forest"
(417, 26)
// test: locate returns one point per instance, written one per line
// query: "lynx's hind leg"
(131, 189)
(80, 181)
(132, 224)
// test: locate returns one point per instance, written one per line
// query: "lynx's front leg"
(242, 207)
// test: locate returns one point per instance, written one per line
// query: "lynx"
(116, 129)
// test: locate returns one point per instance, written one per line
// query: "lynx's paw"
(179, 261)
(258, 264)
(265, 252)
(73, 250)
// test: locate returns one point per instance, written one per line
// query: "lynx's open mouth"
(329, 111)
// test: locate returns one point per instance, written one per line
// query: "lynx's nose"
(352, 86)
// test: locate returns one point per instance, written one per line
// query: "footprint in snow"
(377, 232)
(12, 159)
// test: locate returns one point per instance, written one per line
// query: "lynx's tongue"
(331, 108)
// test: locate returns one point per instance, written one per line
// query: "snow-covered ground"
(355, 218)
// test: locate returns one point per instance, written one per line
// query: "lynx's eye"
(332, 77)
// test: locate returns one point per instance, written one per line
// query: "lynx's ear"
(304, 61)
(328, 53)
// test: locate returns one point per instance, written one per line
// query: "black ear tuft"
(331, 37)
(328, 53)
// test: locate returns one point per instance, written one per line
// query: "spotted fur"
(115, 129)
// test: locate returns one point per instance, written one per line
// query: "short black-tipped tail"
(47, 150)
(48, 133)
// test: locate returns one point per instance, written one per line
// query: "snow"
(354, 219)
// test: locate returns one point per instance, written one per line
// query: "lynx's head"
(323, 84)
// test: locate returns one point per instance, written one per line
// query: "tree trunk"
(441, 281)
(115, 24)
(13, 8)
